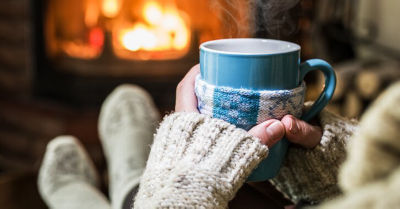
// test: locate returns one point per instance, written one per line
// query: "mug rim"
(293, 47)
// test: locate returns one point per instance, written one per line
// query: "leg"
(67, 177)
(127, 122)
(129, 199)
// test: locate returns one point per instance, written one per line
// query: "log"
(313, 92)
(372, 81)
(368, 84)
(352, 106)
(345, 74)
(335, 108)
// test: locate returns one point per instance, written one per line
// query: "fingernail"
(274, 130)
(294, 129)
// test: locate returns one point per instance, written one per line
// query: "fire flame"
(162, 29)
(110, 8)
(158, 31)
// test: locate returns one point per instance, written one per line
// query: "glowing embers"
(110, 8)
(160, 33)
(138, 30)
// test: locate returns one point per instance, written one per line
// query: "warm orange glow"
(91, 13)
(79, 50)
(140, 30)
(85, 50)
(110, 8)
(96, 38)
(140, 37)
(162, 29)
(176, 28)
(152, 13)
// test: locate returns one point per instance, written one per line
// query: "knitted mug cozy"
(246, 108)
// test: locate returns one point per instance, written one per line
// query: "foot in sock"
(127, 122)
(67, 177)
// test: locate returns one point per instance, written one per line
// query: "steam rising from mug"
(272, 16)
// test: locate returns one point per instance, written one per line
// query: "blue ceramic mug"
(263, 64)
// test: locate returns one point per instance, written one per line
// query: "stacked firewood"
(359, 83)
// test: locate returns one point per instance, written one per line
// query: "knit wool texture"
(374, 151)
(311, 174)
(197, 162)
(67, 177)
(246, 108)
(127, 122)
(370, 176)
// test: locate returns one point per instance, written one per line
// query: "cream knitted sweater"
(311, 174)
(200, 162)
(197, 162)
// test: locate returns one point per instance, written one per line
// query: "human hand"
(186, 100)
(300, 132)
(295, 130)
(269, 132)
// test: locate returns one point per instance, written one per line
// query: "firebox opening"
(135, 30)
(93, 45)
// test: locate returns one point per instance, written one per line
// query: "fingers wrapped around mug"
(300, 132)
(269, 132)
(186, 100)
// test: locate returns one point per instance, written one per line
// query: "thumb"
(301, 132)
(269, 132)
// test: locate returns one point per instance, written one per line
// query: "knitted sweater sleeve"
(197, 162)
(311, 174)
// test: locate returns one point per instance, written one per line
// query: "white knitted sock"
(67, 178)
(127, 123)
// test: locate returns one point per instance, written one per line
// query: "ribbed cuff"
(311, 174)
(197, 161)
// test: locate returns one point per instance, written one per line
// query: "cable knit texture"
(311, 174)
(67, 177)
(197, 162)
(375, 150)
(370, 177)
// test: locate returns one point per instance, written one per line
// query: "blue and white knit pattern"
(246, 108)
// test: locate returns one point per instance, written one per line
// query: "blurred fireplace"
(87, 47)
(73, 66)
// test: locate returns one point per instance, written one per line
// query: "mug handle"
(329, 89)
